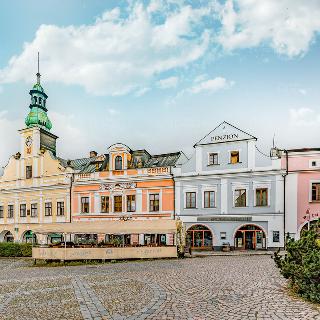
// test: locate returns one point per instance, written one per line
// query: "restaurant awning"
(109, 227)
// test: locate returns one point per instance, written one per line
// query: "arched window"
(118, 163)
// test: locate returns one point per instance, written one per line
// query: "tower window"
(40, 100)
(35, 100)
(118, 163)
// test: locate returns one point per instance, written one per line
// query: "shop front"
(250, 237)
(199, 237)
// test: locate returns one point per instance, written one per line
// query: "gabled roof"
(225, 132)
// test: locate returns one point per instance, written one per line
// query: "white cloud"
(304, 117)
(303, 91)
(211, 85)
(117, 54)
(167, 83)
(141, 91)
(288, 26)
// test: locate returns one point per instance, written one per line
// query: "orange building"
(125, 185)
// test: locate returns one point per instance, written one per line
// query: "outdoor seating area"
(111, 240)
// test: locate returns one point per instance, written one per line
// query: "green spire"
(37, 116)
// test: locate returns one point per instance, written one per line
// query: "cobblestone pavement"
(217, 287)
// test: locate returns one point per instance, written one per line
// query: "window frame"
(231, 156)
(85, 204)
(214, 155)
(1, 212)
(317, 189)
(104, 204)
(189, 202)
(10, 213)
(154, 202)
(131, 203)
(48, 209)
(117, 203)
(204, 199)
(60, 208)
(23, 209)
(116, 163)
(245, 197)
(34, 208)
(28, 172)
(258, 204)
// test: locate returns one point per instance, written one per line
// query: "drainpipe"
(284, 197)
(70, 196)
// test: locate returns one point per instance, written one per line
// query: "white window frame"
(208, 157)
(229, 156)
(213, 188)
(236, 186)
(261, 185)
(310, 190)
(317, 163)
(185, 198)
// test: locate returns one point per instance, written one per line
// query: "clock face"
(28, 141)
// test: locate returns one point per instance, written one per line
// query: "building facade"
(125, 184)
(302, 189)
(229, 193)
(35, 186)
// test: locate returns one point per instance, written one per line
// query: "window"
(261, 197)
(209, 199)
(104, 204)
(223, 235)
(28, 172)
(234, 157)
(276, 236)
(48, 209)
(118, 163)
(315, 191)
(60, 208)
(23, 210)
(34, 210)
(190, 200)
(1, 211)
(240, 198)
(131, 203)
(213, 159)
(154, 202)
(10, 211)
(117, 203)
(84, 204)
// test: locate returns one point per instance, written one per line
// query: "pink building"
(302, 194)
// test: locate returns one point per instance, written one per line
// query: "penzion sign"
(225, 137)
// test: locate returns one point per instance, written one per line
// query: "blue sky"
(161, 74)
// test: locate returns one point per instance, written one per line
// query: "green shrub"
(12, 249)
(301, 264)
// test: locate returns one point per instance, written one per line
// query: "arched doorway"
(199, 237)
(28, 236)
(250, 237)
(309, 225)
(7, 236)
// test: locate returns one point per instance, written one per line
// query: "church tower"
(36, 136)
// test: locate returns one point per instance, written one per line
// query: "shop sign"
(224, 219)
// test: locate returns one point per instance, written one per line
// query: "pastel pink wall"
(301, 163)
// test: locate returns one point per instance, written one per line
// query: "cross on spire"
(38, 73)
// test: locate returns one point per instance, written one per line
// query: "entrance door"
(199, 237)
(249, 237)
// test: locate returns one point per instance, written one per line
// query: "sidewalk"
(230, 253)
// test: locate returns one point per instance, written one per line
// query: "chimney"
(93, 154)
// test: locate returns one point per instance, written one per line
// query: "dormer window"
(234, 157)
(118, 163)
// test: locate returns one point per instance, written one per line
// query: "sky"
(161, 74)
